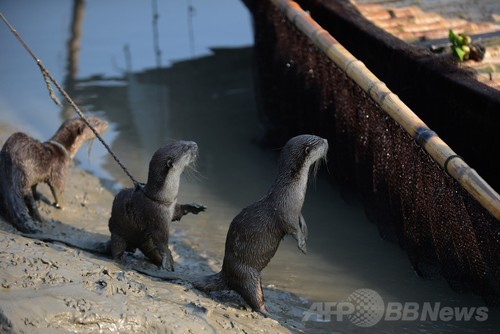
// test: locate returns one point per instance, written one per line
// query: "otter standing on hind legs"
(25, 162)
(140, 217)
(256, 232)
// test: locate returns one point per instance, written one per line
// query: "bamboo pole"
(455, 166)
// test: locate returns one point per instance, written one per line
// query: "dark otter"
(140, 217)
(25, 162)
(256, 232)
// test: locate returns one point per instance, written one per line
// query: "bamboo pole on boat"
(453, 164)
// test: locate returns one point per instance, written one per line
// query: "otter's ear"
(307, 150)
(81, 128)
(170, 163)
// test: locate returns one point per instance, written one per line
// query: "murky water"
(200, 88)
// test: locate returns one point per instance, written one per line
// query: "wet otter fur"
(26, 162)
(256, 232)
(141, 217)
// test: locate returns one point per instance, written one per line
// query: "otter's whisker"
(191, 173)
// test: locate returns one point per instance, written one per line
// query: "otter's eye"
(307, 150)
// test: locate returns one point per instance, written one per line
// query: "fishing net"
(413, 201)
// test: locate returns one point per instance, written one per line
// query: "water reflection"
(74, 43)
(207, 100)
(191, 12)
(156, 33)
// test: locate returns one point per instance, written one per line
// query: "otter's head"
(74, 132)
(300, 153)
(172, 159)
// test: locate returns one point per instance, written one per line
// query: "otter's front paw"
(194, 208)
(301, 235)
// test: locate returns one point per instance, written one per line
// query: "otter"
(256, 232)
(141, 216)
(25, 162)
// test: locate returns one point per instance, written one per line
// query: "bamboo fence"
(439, 151)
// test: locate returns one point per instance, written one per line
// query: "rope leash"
(48, 79)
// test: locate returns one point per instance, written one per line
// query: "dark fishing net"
(414, 202)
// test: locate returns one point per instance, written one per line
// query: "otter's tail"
(96, 247)
(215, 282)
(12, 205)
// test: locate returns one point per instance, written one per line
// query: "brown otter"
(256, 232)
(25, 162)
(140, 217)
